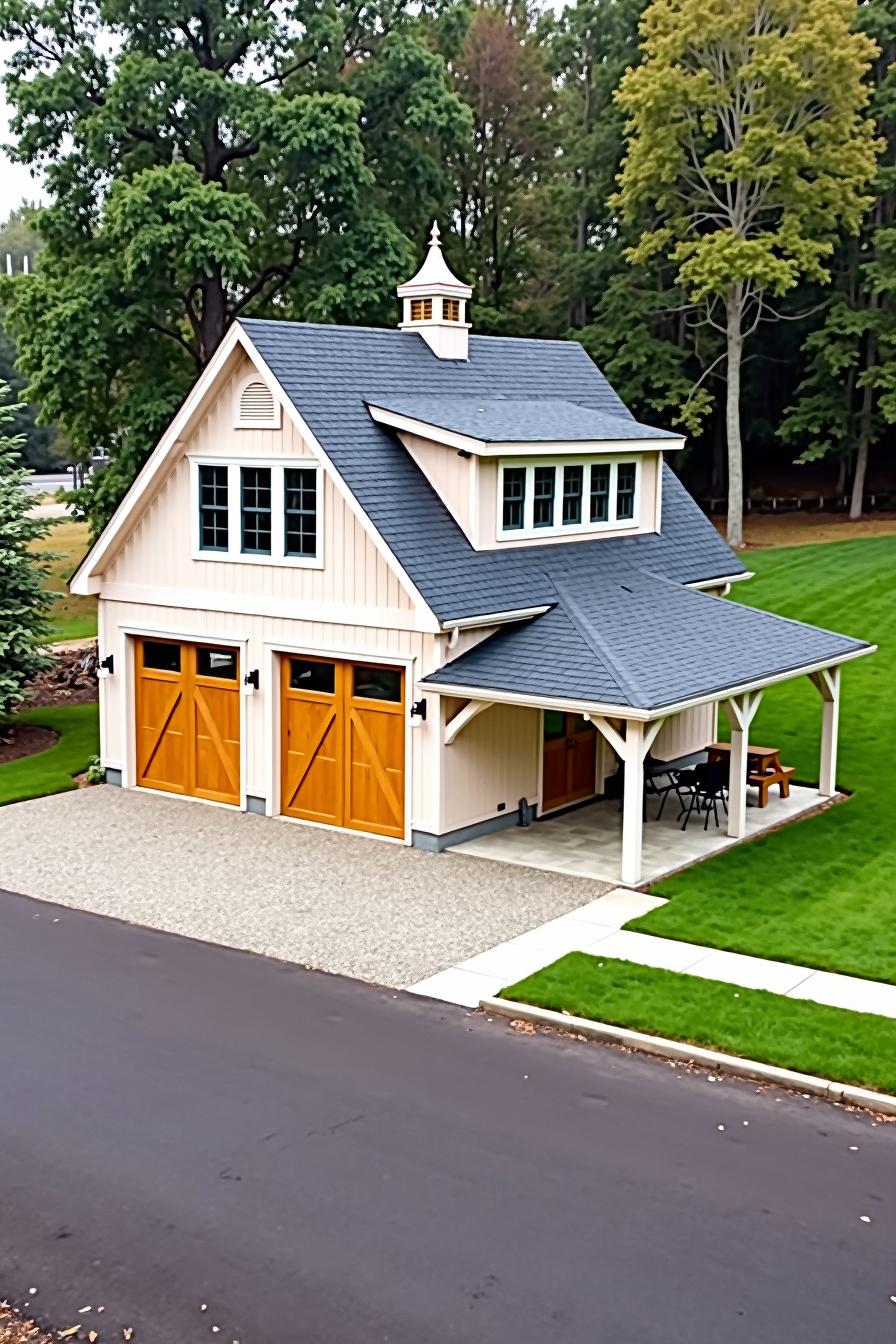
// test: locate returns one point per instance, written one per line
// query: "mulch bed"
(14, 1329)
(70, 681)
(26, 740)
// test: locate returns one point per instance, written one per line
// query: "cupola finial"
(434, 303)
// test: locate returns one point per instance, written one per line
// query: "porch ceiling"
(637, 642)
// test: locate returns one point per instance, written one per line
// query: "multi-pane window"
(421, 310)
(513, 499)
(625, 491)
(268, 512)
(255, 510)
(213, 533)
(600, 492)
(300, 511)
(543, 493)
(573, 478)
(562, 497)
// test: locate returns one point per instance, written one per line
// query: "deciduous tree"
(748, 151)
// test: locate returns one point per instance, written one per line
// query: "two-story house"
(410, 582)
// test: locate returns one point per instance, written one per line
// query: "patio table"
(764, 767)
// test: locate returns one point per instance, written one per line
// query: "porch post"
(740, 710)
(632, 803)
(827, 682)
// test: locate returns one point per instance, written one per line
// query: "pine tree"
(23, 599)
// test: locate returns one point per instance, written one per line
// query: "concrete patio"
(587, 841)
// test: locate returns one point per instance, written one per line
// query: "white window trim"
(557, 529)
(238, 422)
(234, 554)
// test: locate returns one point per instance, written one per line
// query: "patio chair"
(661, 779)
(707, 786)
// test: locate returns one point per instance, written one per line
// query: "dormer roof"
(492, 426)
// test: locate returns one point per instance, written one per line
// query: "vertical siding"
(687, 732)
(158, 553)
(494, 760)
(450, 475)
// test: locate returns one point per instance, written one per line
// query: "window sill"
(280, 561)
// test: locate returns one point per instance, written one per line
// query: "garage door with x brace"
(342, 744)
(188, 719)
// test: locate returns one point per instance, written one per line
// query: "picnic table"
(764, 768)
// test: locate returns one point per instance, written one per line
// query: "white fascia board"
(495, 618)
(83, 581)
(626, 711)
(467, 443)
(428, 619)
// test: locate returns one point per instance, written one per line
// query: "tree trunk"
(735, 348)
(863, 441)
(214, 317)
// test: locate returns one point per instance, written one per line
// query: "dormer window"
(421, 310)
(256, 406)
(559, 498)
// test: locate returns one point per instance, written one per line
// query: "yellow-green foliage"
(749, 147)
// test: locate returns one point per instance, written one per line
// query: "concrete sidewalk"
(597, 928)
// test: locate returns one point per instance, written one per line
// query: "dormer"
(524, 471)
(434, 303)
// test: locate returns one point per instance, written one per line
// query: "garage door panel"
(312, 779)
(188, 724)
(342, 754)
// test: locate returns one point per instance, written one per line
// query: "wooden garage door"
(342, 744)
(188, 719)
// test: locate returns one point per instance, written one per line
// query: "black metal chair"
(661, 779)
(708, 786)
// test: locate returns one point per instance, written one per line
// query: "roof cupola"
(434, 303)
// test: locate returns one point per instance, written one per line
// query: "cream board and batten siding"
(685, 733)
(259, 640)
(493, 762)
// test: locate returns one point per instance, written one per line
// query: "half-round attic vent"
(257, 407)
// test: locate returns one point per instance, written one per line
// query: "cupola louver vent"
(257, 406)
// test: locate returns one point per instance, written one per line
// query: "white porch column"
(740, 710)
(827, 682)
(632, 804)
(631, 748)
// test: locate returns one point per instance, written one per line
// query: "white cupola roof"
(434, 303)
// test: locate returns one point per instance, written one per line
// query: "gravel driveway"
(340, 902)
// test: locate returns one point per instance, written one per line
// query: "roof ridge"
(631, 688)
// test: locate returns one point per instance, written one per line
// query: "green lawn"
(821, 892)
(832, 1042)
(51, 771)
(71, 617)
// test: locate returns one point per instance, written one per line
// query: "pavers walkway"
(597, 928)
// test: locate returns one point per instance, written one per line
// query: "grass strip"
(818, 892)
(51, 771)
(834, 1043)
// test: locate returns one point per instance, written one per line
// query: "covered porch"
(630, 657)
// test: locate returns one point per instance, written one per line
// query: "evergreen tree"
(23, 599)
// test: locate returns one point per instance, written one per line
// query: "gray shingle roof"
(639, 641)
(522, 419)
(330, 372)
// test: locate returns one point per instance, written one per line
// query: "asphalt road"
(317, 1160)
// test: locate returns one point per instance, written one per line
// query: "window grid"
(625, 491)
(573, 480)
(600, 492)
(300, 511)
(256, 510)
(513, 503)
(544, 483)
(541, 497)
(213, 504)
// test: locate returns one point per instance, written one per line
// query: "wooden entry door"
(570, 759)
(342, 744)
(188, 719)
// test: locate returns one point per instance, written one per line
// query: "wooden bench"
(763, 781)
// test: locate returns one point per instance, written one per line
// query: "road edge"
(880, 1102)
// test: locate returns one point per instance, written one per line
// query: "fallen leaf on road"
(128, 1332)
(92, 1336)
(67, 1334)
